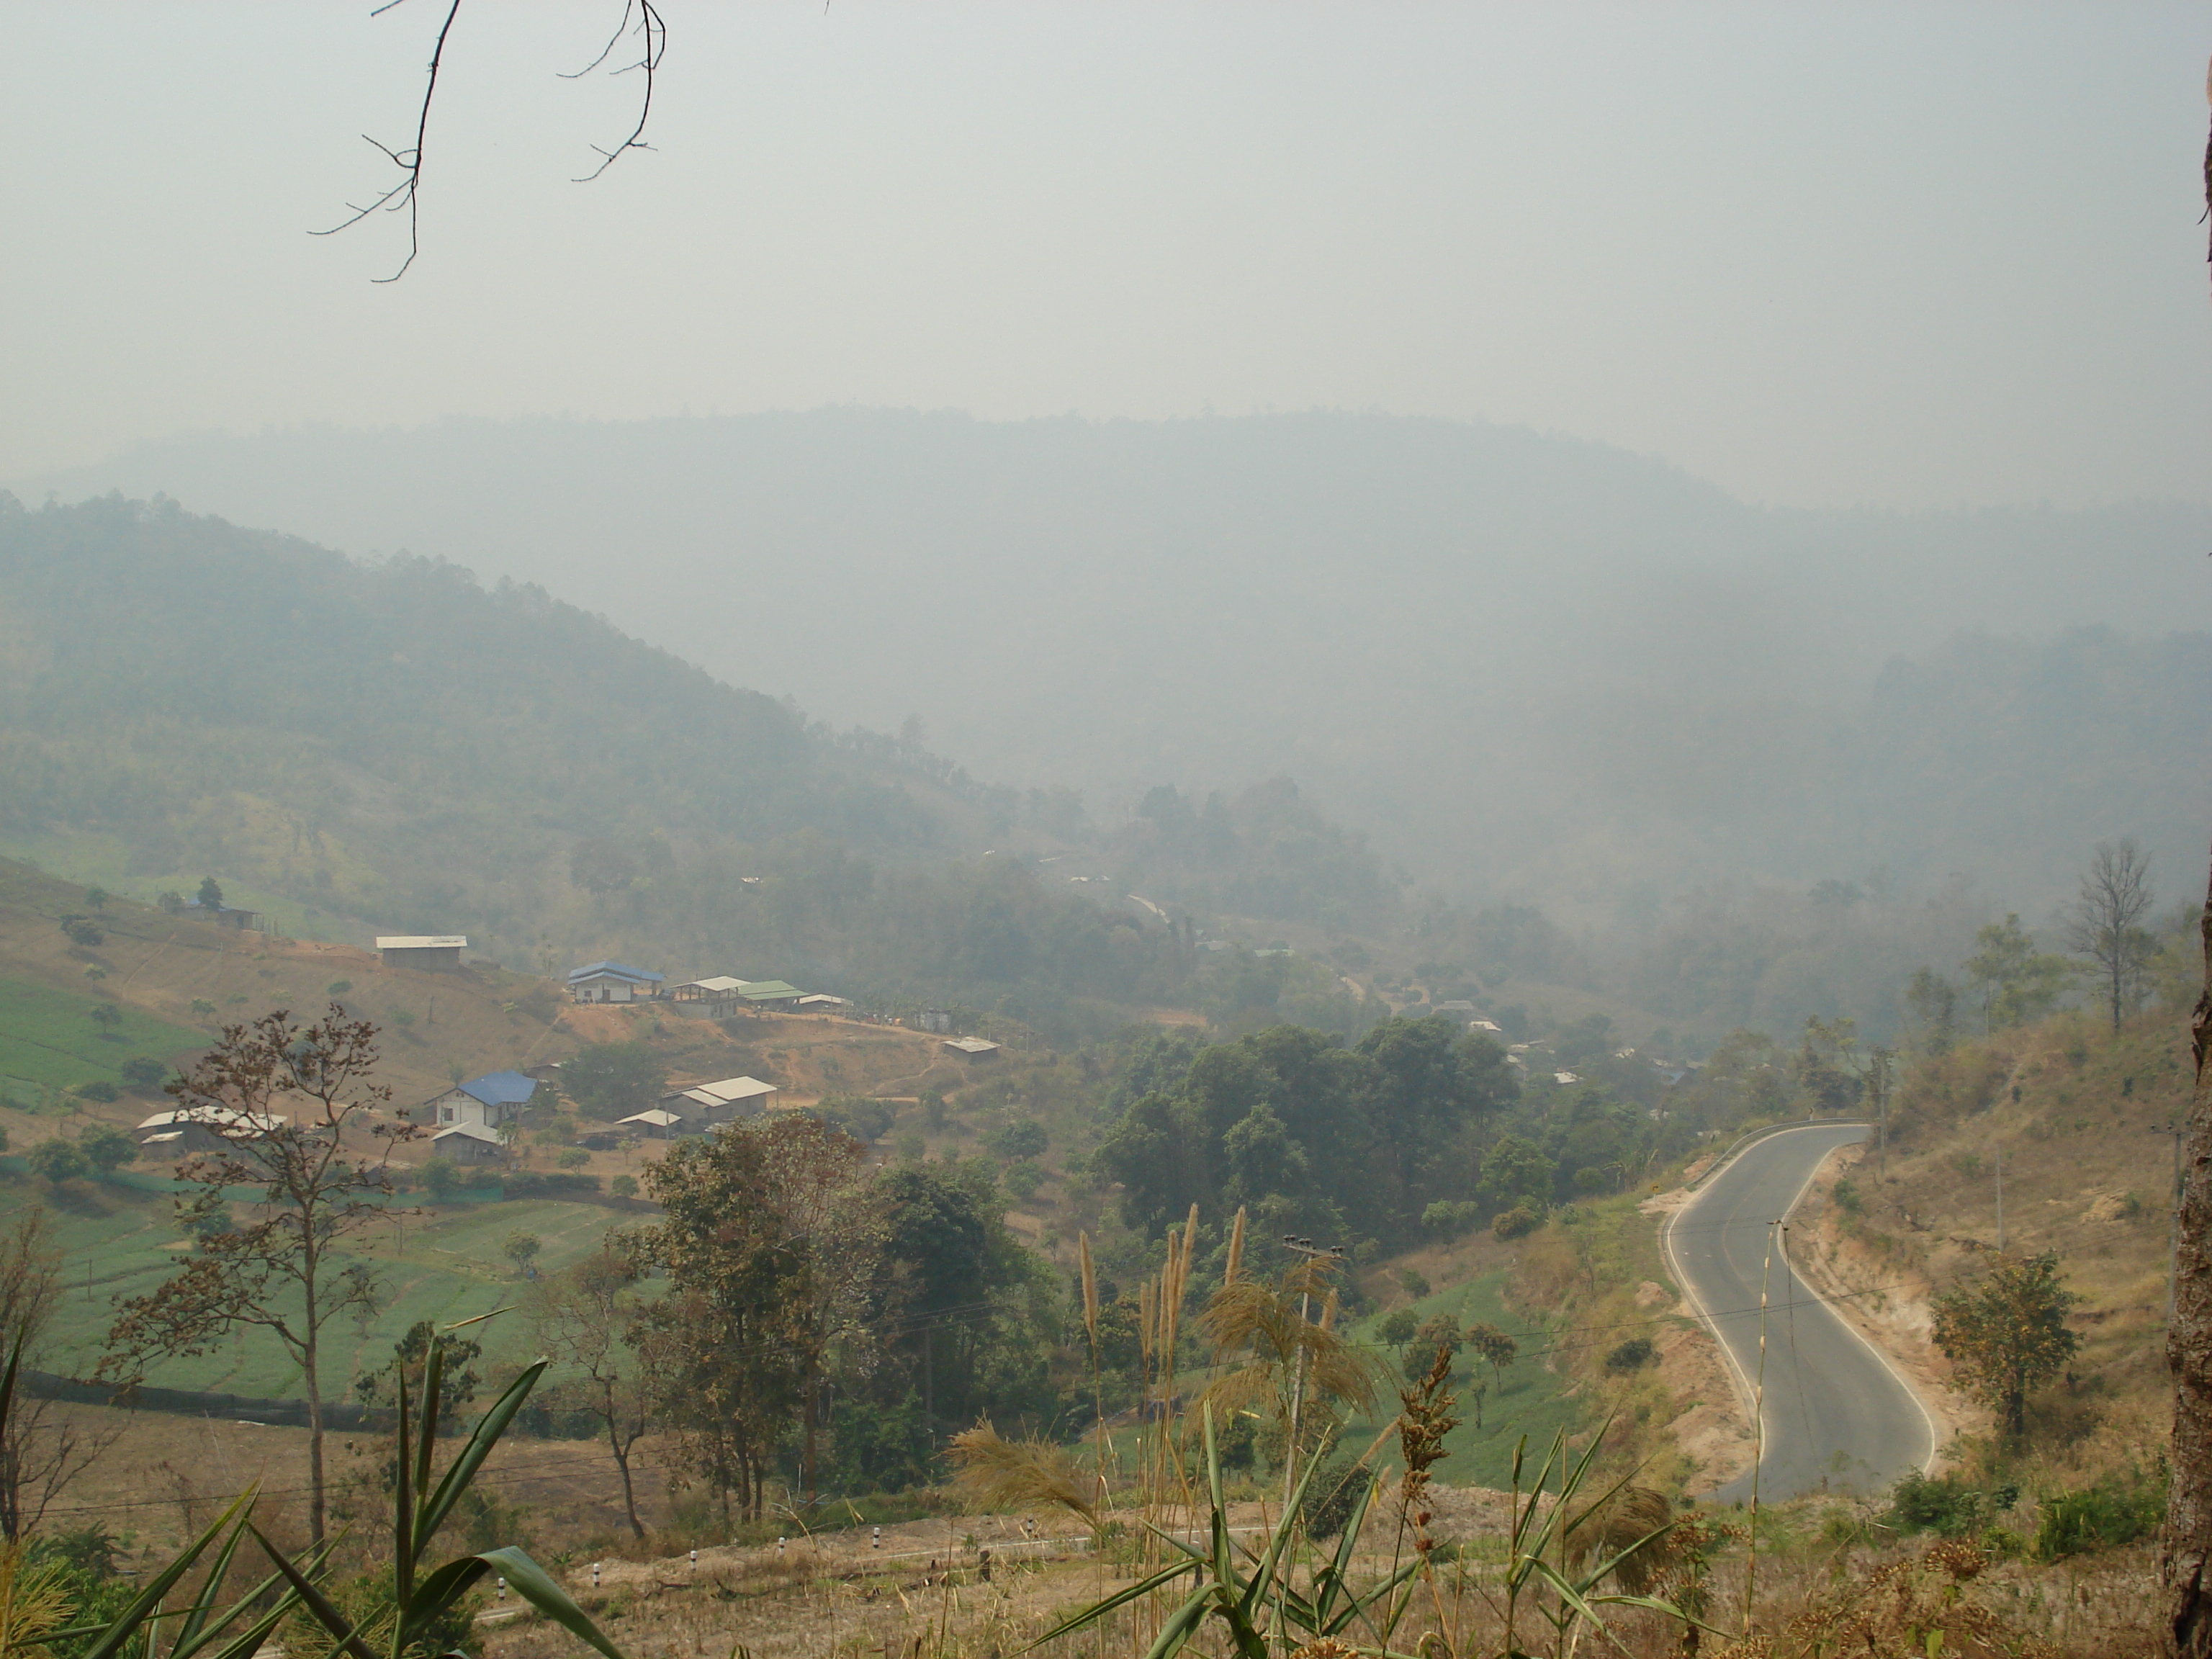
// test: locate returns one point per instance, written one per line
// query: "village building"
(494, 1098)
(190, 1129)
(652, 1124)
(719, 993)
(223, 916)
(613, 981)
(702, 1106)
(974, 1048)
(469, 1143)
(770, 995)
(435, 952)
(821, 1002)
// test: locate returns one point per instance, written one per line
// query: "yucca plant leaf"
(196, 1633)
(1357, 1605)
(1279, 1541)
(1181, 1625)
(536, 1586)
(1097, 1610)
(462, 1470)
(325, 1610)
(433, 1594)
(146, 1604)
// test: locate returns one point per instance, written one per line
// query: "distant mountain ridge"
(1526, 666)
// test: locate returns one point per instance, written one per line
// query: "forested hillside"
(1529, 668)
(394, 747)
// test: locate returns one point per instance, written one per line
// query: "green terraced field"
(1527, 1401)
(47, 1038)
(444, 1265)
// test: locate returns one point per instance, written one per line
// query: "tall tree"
(2016, 982)
(721, 1342)
(2007, 1333)
(583, 1317)
(2106, 924)
(814, 1183)
(41, 1452)
(2186, 1563)
(296, 1112)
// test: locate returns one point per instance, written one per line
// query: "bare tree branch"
(639, 19)
(654, 35)
(407, 193)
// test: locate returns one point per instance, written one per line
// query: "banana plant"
(422, 1594)
(1240, 1596)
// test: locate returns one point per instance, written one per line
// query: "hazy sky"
(1911, 254)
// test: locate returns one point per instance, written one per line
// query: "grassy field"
(446, 1265)
(48, 1040)
(1527, 1400)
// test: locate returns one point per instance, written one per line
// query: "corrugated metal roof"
(501, 1088)
(421, 941)
(729, 1089)
(719, 983)
(615, 970)
(971, 1045)
(768, 990)
(469, 1131)
(655, 1116)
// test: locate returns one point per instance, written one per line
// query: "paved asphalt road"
(1837, 1417)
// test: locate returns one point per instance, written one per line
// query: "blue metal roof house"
(613, 981)
(490, 1100)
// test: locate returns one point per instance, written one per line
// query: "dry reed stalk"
(1236, 1248)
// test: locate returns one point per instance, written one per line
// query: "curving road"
(1837, 1417)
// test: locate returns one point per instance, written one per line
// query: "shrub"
(1330, 1495)
(1022, 1178)
(1950, 1507)
(441, 1175)
(1848, 1198)
(81, 931)
(59, 1161)
(1633, 1355)
(573, 1157)
(1516, 1223)
(338, 988)
(1411, 1281)
(2117, 1509)
(100, 1089)
(858, 1116)
(145, 1074)
(1024, 1137)
(623, 1186)
(1397, 1327)
(107, 1149)
(1449, 1219)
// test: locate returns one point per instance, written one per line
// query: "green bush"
(1848, 1198)
(1023, 1137)
(144, 1074)
(1516, 1223)
(1951, 1506)
(623, 1186)
(2117, 1509)
(1022, 1178)
(1633, 1355)
(1449, 1219)
(1329, 1497)
(100, 1090)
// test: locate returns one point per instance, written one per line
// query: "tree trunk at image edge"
(2186, 1567)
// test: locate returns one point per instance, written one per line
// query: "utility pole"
(2000, 1152)
(1311, 1252)
(1878, 1082)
